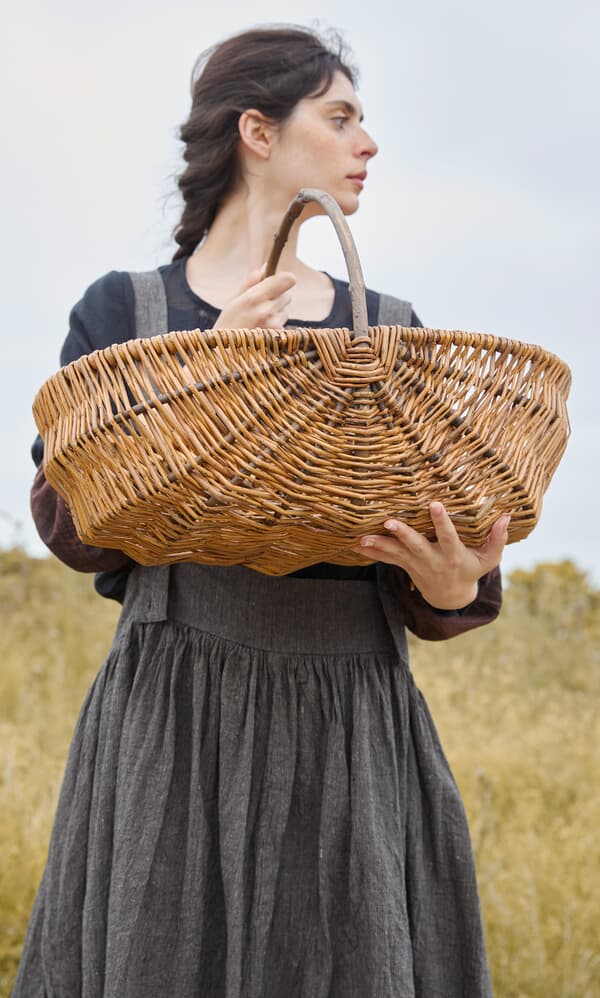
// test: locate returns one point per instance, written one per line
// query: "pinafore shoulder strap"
(394, 311)
(151, 316)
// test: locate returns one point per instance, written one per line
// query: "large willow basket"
(278, 448)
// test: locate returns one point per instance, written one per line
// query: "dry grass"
(516, 704)
(54, 632)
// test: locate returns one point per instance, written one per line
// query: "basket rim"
(409, 334)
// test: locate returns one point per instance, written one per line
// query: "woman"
(255, 801)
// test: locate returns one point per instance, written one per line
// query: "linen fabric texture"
(255, 802)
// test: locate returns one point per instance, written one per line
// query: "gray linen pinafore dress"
(256, 805)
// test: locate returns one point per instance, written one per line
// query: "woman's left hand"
(444, 571)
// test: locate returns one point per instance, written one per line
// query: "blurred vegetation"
(516, 705)
(54, 634)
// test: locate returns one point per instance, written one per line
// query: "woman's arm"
(432, 624)
(444, 587)
(445, 571)
(102, 317)
(57, 530)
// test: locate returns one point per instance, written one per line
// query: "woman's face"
(324, 145)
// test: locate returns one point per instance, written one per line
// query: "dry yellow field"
(516, 704)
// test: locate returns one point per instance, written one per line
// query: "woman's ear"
(256, 132)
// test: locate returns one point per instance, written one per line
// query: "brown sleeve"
(431, 624)
(57, 530)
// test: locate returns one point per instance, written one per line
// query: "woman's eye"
(339, 120)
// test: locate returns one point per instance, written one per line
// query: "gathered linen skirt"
(255, 805)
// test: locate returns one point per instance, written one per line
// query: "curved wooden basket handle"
(360, 320)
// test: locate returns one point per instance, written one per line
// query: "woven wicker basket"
(278, 448)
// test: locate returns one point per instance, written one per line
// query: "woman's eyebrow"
(348, 105)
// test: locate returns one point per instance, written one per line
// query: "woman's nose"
(369, 146)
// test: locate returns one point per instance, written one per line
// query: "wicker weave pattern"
(276, 449)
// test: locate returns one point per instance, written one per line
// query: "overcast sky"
(482, 206)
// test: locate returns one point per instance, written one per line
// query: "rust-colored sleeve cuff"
(437, 625)
(57, 530)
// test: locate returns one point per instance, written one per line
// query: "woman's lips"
(358, 178)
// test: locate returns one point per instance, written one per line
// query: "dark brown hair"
(269, 69)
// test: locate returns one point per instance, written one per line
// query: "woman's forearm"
(57, 530)
(434, 625)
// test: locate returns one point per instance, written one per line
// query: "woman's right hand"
(262, 303)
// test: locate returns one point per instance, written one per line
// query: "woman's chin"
(354, 207)
(349, 203)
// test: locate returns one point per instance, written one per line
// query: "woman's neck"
(239, 241)
(242, 233)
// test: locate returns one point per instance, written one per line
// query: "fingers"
(278, 283)
(416, 543)
(253, 278)
(380, 547)
(450, 544)
(270, 299)
(263, 303)
(404, 547)
(272, 311)
(490, 553)
(445, 531)
(413, 551)
(269, 287)
(412, 541)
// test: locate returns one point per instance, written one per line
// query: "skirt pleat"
(244, 820)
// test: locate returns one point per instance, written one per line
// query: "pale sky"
(482, 207)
